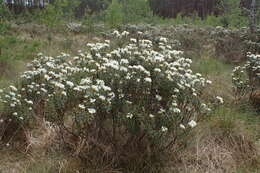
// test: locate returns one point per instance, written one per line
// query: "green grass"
(14, 48)
(211, 66)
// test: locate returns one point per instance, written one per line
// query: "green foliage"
(4, 26)
(232, 14)
(136, 10)
(128, 11)
(178, 19)
(4, 11)
(213, 21)
(68, 8)
(57, 13)
(5, 15)
(51, 15)
(91, 7)
(236, 19)
(26, 49)
(88, 21)
(114, 15)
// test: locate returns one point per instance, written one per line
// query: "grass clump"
(225, 142)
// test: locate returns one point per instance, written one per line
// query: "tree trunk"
(252, 20)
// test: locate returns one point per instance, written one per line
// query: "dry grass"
(219, 146)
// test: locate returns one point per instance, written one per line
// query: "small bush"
(246, 78)
(228, 43)
(125, 102)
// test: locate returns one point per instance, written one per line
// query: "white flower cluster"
(253, 63)
(120, 35)
(249, 74)
(137, 79)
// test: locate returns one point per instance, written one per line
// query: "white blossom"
(192, 124)
(182, 126)
(81, 106)
(158, 97)
(129, 115)
(164, 129)
(220, 99)
(91, 110)
(147, 79)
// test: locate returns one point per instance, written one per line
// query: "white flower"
(161, 111)
(133, 40)
(81, 106)
(182, 126)
(1, 120)
(59, 85)
(44, 90)
(12, 94)
(21, 118)
(64, 93)
(40, 54)
(147, 79)
(70, 84)
(158, 97)
(125, 33)
(94, 87)
(129, 102)
(220, 99)
(47, 77)
(151, 115)
(102, 97)
(209, 82)
(192, 123)
(174, 104)
(176, 90)
(129, 115)
(91, 110)
(164, 129)
(162, 39)
(115, 32)
(92, 100)
(12, 105)
(13, 88)
(29, 102)
(15, 114)
(176, 110)
(157, 70)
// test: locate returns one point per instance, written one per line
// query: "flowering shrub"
(234, 43)
(246, 78)
(129, 98)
